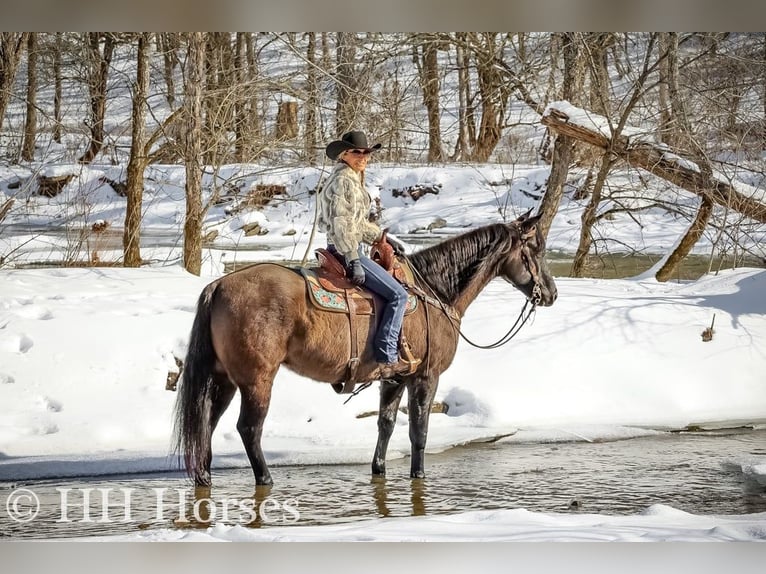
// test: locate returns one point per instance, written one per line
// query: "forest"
(683, 112)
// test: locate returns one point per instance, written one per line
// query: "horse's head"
(525, 266)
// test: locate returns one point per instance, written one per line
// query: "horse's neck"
(476, 271)
(475, 286)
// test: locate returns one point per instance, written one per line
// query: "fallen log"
(654, 158)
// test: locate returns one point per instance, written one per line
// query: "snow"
(84, 356)
(658, 523)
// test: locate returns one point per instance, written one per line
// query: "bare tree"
(589, 215)
(494, 92)
(425, 49)
(193, 124)
(668, 86)
(563, 147)
(220, 96)
(30, 121)
(100, 49)
(466, 138)
(167, 45)
(240, 112)
(57, 88)
(131, 240)
(311, 114)
(346, 82)
(11, 47)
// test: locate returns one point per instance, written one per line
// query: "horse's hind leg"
(223, 392)
(420, 394)
(390, 397)
(255, 405)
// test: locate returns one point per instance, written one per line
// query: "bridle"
(531, 265)
(526, 312)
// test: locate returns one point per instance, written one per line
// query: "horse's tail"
(192, 428)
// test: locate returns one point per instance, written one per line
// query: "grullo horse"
(252, 321)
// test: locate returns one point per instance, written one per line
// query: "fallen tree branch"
(657, 159)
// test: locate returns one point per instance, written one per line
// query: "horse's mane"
(450, 266)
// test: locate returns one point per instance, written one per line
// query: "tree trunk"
(563, 147)
(30, 122)
(11, 46)
(195, 77)
(665, 128)
(429, 83)
(688, 241)
(599, 44)
(57, 89)
(494, 92)
(287, 121)
(312, 102)
(463, 88)
(240, 105)
(131, 240)
(98, 74)
(252, 127)
(589, 219)
(219, 97)
(326, 56)
(168, 43)
(671, 114)
(346, 80)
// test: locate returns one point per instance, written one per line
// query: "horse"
(252, 321)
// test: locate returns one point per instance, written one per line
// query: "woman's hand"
(355, 272)
(397, 245)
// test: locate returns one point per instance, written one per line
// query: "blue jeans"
(380, 282)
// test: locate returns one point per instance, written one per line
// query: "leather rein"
(521, 320)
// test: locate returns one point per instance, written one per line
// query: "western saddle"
(330, 290)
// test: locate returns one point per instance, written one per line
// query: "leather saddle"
(330, 290)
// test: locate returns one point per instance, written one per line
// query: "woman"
(344, 208)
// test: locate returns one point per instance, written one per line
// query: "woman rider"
(344, 208)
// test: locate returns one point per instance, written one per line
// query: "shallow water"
(695, 472)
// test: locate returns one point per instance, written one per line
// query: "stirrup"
(408, 357)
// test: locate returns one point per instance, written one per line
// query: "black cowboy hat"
(349, 140)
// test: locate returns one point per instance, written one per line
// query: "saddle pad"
(336, 300)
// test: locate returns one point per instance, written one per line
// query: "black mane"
(450, 266)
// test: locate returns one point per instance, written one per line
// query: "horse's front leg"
(390, 397)
(420, 393)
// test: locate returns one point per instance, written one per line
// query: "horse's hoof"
(264, 481)
(203, 481)
(418, 474)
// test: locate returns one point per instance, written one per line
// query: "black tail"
(192, 427)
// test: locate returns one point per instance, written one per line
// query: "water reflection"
(697, 473)
(380, 490)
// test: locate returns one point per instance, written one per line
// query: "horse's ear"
(523, 217)
(528, 225)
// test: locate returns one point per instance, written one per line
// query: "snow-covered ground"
(467, 196)
(657, 524)
(84, 354)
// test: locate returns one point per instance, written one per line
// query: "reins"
(512, 332)
(521, 320)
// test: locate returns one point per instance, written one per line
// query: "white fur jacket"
(344, 209)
